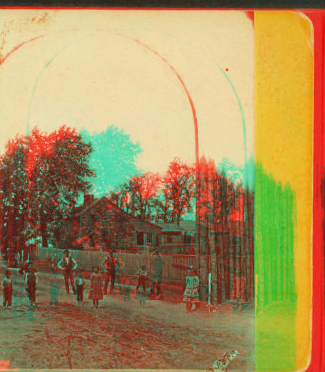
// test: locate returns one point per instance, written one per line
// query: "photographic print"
(156, 189)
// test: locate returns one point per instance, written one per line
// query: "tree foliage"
(138, 196)
(42, 175)
(113, 158)
(218, 195)
(178, 190)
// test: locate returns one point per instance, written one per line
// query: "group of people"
(113, 267)
(30, 281)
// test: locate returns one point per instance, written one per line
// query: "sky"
(135, 70)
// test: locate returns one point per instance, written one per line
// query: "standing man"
(158, 265)
(119, 265)
(68, 264)
(110, 266)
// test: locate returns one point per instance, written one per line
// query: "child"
(31, 282)
(191, 293)
(127, 289)
(24, 269)
(142, 295)
(54, 289)
(7, 290)
(96, 293)
(142, 278)
(79, 284)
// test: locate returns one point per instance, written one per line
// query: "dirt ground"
(120, 335)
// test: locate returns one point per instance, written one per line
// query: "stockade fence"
(174, 271)
(175, 267)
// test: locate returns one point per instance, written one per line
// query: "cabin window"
(169, 238)
(149, 238)
(140, 238)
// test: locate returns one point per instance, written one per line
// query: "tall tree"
(60, 175)
(113, 158)
(178, 190)
(138, 196)
(42, 175)
(217, 199)
(13, 191)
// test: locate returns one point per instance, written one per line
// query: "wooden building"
(100, 224)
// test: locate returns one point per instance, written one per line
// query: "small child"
(31, 282)
(127, 289)
(142, 278)
(79, 284)
(7, 290)
(191, 293)
(54, 289)
(142, 296)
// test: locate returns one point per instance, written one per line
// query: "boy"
(7, 290)
(142, 278)
(79, 285)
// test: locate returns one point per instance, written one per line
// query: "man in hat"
(110, 266)
(119, 265)
(68, 264)
(31, 283)
(158, 265)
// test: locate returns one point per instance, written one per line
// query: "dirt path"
(119, 334)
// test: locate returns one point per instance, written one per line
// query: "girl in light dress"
(191, 293)
(96, 292)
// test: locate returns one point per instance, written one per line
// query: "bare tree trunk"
(43, 231)
(222, 270)
(10, 223)
(214, 293)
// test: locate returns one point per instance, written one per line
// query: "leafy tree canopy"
(113, 159)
